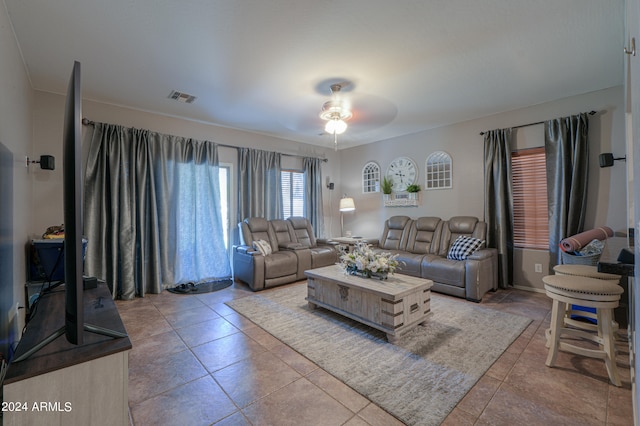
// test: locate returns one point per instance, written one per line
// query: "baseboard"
(535, 290)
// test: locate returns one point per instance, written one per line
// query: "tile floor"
(197, 362)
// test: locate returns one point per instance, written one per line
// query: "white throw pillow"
(464, 247)
(263, 247)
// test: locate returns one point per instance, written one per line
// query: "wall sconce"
(47, 162)
(329, 184)
(606, 159)
(346, 205)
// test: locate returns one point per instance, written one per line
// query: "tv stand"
(61, 331)
(61, 383)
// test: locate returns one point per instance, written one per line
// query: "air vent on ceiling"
(182, 97)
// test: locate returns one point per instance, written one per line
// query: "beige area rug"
(421, 378)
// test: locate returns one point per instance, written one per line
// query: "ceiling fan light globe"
(336, 127)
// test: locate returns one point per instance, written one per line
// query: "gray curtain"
(567, 156)
(258, 184)
(152, 211)
(498, 200)
(313, 193)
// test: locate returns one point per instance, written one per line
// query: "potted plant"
(413, 190)
(387, 186)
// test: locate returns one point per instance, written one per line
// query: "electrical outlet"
(538, 267)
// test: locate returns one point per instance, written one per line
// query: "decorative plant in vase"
(413, 190)
(387, 187)
(365, 262)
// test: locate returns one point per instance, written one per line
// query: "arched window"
(371, 177)
(438, 171)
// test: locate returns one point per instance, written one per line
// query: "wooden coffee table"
(394, 306)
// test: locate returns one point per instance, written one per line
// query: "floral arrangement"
(365, 262)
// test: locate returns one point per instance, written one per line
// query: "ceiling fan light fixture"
(335, 112)
(335, 126)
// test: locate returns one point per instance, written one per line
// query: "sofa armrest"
(248, 266)
(246, 250)
(482, 254)
(373, 242)
(481, 273)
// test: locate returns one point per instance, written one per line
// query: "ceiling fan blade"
(371, 112)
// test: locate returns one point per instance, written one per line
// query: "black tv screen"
(72, 187)
(6, 252)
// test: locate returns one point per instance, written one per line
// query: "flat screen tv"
(7, 323)
(74, 325)
(72, 187)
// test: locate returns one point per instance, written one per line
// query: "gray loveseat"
(293, 249)
(422, 245)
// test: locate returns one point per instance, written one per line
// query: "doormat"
(199, 288)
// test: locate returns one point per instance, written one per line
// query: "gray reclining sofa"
(422, 245)
(293, 249)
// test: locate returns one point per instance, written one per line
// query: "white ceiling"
(266, 65)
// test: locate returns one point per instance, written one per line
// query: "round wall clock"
(403, 172)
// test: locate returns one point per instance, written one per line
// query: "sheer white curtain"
(152, 211)
(199, 241)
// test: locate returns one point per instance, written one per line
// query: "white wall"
(15, 134)
(607, 195)
(48, 117)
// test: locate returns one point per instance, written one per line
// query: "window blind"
(292, 193)
(530, 208)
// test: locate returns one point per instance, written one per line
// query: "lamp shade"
(347, 205)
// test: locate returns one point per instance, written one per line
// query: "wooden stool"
(584, 271)
(603, 295)
(589, 272)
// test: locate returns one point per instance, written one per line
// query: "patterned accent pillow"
(263, 247)
(464, 247)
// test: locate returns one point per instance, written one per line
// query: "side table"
(346, 244)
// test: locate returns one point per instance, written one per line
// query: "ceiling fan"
(335, 112)
(334, 101)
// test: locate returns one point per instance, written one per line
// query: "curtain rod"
(88, 122)
(533, 124)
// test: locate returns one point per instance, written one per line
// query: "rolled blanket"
(575, 242)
